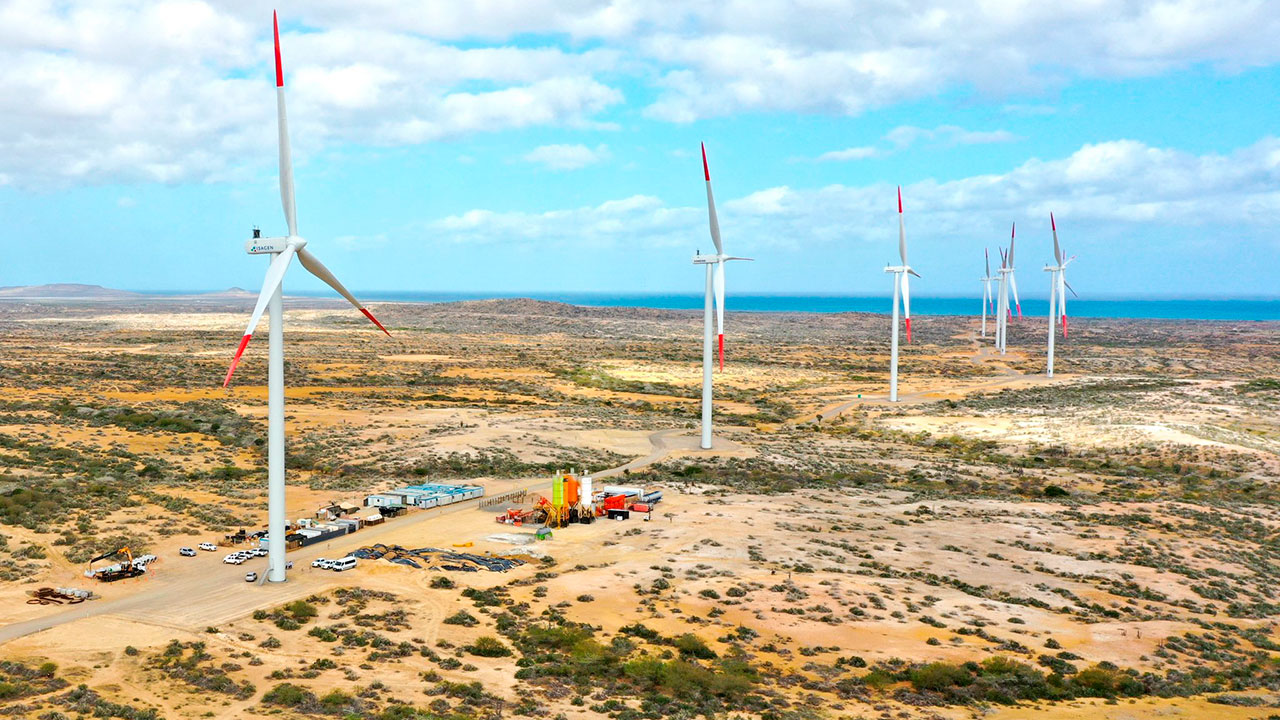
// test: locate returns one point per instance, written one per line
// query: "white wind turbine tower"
(282, 250)
(901, 286)
(1058, 286)
(715, 287)
(1002, 300)
(1013, 281)
(1007, 285)
(987, 299)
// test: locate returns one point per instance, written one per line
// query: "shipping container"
(325, 536)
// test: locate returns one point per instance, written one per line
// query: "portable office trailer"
(417, 498)
(350, 524)
(384, 500)
(455, 493)
(372, 520)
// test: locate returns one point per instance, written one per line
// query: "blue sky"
(534, 146)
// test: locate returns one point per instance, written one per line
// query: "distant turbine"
(282, 251)
(901, 285)
(1002, 303)
(1013, 281)
(987, 299)
(1058, 286)
(714, 292)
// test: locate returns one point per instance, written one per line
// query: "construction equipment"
(132, 567)
(58, 596)
(436, 559)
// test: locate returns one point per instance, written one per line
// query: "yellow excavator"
(124, 570)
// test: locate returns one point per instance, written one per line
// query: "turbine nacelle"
(271, 246)
(716, 259)
(901, 268)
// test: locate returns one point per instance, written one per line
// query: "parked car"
(345, 563)
(320, 563)
(233, 559)
(251, 577)
(259, 552)
(209, 547)
(186, 552)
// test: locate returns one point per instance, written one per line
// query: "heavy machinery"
(127, 569)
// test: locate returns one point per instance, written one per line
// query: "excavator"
(122, 571)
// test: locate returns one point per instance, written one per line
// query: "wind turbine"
(987, 299)
(1013, 281)
(1058, 286)
(1002, 302)
(715, 286)
(901, 285)
(282, 250)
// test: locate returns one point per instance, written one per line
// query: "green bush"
(301, 610)
(288, 695)
(691, 645)
(488, 646)
(463, 618)
(939, 676)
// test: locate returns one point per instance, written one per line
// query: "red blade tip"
(1019, 309)
(1053, 223)
(1013, 230)
(1064, 327)
(908, 330)
(899, 199)
(706, 170)
(244, 343)
(374, 320)
(722, 352)
(275, 30)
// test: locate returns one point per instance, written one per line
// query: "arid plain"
(1103, 544)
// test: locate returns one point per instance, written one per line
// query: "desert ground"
(1000, 545)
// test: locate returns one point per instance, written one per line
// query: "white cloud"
(905, 136)
(1099, 185)
(845, 57)
(107, 91)
(853, 153)
(567, 157)
(625, 220)
(175, 90)
(946, 135)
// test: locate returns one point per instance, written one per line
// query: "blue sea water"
(1191, 309)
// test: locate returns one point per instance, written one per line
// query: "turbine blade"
(711, 204)
(317, 268)
(902, 231)
(906, 303)
(286, 161)
(275, 276)
(913, 272)
(1013, 286)
(986, 253)
(719, 290)
(1068, 286)
(1013, 232)
(1057, 251)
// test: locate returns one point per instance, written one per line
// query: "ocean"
(1191, 309)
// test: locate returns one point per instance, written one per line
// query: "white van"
(345, 563)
